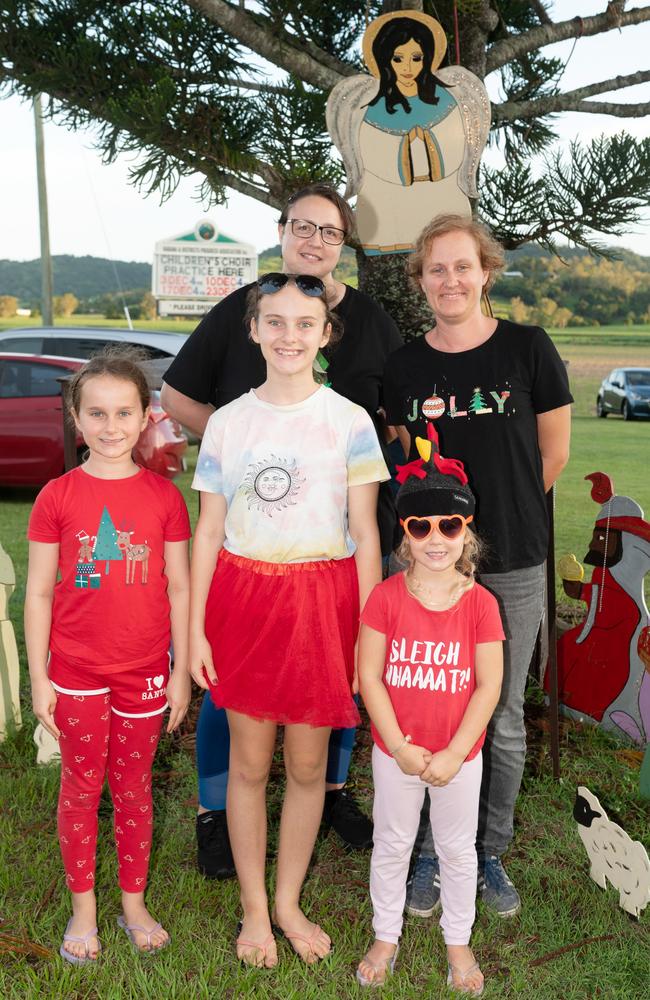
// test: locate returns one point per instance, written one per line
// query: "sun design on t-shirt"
(272, 484)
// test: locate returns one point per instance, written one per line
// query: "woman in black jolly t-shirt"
(499, 396)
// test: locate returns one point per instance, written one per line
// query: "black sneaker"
(214, 857)
(423, 887)
(496, 889)
(343, 814)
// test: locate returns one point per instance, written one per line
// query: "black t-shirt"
(218, 363)
(485, 403)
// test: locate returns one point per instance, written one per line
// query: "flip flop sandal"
(292, 936)
(79, 959)
(262, 948)
(130, 928)
(454, 970)
(387, 966)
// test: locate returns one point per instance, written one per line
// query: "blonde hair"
(490, 251)
(467, 564)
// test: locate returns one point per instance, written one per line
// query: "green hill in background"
(575, 289)
(85, 277)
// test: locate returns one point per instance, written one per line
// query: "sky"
(94, 210)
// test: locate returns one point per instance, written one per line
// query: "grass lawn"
(571, 941)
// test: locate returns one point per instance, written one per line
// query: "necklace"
(427, 596)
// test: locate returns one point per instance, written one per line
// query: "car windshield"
(638, 378)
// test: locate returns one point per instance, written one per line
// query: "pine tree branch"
(574, 100)
(172, 144)
(227, 179)
(296, 55)
(541, 11)
(265, 88)
(507, 49)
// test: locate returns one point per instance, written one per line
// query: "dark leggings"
(213, 752)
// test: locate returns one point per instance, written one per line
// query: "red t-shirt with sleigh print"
(110, 608)
(429, 670)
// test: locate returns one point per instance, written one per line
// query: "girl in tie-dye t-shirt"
(285, 551)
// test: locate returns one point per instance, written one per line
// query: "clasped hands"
(434, 768)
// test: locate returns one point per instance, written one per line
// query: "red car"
(31, 424)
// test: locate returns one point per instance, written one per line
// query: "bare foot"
(377, 963)
(255, 943)
(83, 920)
(137, 915)
(465, 975)
(306, 938)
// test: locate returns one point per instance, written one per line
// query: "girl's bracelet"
(407, 739)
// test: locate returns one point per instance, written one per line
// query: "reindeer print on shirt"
(108, 545)
(133, 554)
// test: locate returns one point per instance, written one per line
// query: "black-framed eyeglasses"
(308, 284)
(329, 234)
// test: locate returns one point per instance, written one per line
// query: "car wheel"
(600, 409)
(627, 411)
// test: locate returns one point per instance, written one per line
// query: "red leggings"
(94, 741)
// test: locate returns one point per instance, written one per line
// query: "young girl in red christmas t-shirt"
(430, 668)
(98, 637)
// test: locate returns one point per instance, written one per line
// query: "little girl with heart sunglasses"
(430, 669)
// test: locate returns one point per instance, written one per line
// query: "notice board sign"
(193, 271)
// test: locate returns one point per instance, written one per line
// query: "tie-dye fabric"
(285, 473)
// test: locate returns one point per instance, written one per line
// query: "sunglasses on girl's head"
(420, 528)
(269, 284)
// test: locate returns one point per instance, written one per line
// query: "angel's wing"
(472, 99)
(344, 114)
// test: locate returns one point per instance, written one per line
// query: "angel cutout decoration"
(410, 135)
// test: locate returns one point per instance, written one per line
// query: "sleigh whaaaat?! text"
(481, 402)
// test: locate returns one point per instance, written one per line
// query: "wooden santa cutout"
(410, 134)
(604, 663)
(614, 857)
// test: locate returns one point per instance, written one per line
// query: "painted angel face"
(407, 61)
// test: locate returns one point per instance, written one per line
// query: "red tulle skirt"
(282, 638)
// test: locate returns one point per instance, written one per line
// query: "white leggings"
(396, 815)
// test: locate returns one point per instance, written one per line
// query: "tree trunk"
(383, 277)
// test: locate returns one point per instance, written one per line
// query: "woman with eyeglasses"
(499, 396)
(217, 364)
(286, 551)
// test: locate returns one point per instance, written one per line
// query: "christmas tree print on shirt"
(477, 403)
(106, 547)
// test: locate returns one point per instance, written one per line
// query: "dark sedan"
(625, 391)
